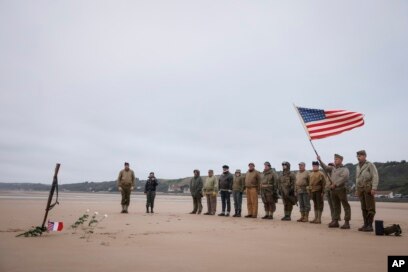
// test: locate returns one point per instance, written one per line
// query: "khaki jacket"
(317, 181)
(210, 185)
(126, 178)
(252, 179)
(367, 176)
(339, 175)
(302, 181)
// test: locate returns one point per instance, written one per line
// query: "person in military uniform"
(302, 193)
(225, 186)
(287, 182)
(328, 192)
(210, 191)
(269, 190)
(339, 176)
(126, 183)
(238, 187)
(366, 184)
(196, 189)
(316, 187)
(150, 192)
(252, 180)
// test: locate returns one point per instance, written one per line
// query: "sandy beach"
(173, 240)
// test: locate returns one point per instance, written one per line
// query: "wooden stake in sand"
(54, 187)
(38, 231)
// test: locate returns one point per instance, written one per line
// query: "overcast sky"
(171, 86)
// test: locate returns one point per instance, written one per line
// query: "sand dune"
(173, 240)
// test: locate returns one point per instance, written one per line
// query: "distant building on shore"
(384, 194)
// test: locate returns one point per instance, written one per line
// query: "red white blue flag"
(320, 124)
(55, 226)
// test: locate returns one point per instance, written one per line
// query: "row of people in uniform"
(329, 180)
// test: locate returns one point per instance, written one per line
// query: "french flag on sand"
(55, 226)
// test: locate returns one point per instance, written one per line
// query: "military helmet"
(286, 163)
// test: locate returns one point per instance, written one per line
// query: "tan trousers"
(211, 203)
(252, 201)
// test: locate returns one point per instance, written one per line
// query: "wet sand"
(173, 240)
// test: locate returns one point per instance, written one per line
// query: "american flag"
(55, 226)
(320, 124)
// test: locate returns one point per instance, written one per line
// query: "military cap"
(225, 167)
(251, 163)
(238, 171)
(315, 163)
(268, 164)
(362, 152)
(338, 156)
(302, 163)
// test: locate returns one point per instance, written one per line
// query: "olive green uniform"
(316, 187)
(287, 182)
(339, 175)
(126, 180)
(238, 187)
(196, 189)
(210, 191)
(367, 180)
(269, 191)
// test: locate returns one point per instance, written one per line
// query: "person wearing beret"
(316, 188)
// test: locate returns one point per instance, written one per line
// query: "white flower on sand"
(105, 215)
(96, 213)
(87, 210)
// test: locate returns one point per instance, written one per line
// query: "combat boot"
(270, 217)
(287, 216)
(346, 225)
(334, 224)
(147, 209)
(364, 225)
(315, 218)
(126, 209)
(239, 213)
(123, 209)
(302, 216)
(266, 215)
(306, 217)
(369, 225)
(319, 217)
(151, 210)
